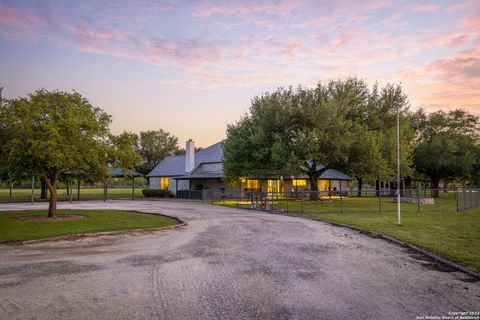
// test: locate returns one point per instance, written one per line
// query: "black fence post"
(10, 186)
(105, 192)
(380, 200)
(456, 197)
(418, 201)
(33, 189)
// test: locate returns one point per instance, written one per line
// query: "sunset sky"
(191, 67)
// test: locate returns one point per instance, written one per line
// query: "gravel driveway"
(225, 264)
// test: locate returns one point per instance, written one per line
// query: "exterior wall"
(172, 186)
(210, 167)
(182, 185)
(335, 185)
(154, 183)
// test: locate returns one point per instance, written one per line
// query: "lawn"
(438, 228)
(21, 195)
(455, 236)
(13, 229)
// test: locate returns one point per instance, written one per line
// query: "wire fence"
(71, 191)
(334, 201)
(375, 201)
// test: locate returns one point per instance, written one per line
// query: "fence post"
(10, 189)
(70, 190)
(133, 188)
(380, 199)
(301, 199)
(287, 205)
(464, 200)
(476, 197)
(456, 197)
(78, 189)
(33, 189)
(418, 200)
(105, 195)
(341, 198)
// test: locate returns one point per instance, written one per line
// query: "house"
(202, 170)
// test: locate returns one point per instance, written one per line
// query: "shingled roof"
(174, 166)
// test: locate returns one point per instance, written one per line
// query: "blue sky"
(192, 67)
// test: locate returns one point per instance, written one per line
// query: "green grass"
(437, 228)
(455, 236)
(22, 195)
(12, 229)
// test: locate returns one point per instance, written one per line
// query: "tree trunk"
(313, 187)
(436, 186)
(445, 186)
(52, 187)
(360, 183)
(43, 189)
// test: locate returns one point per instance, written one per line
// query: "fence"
(348, 201)
(114, 189)
(412, 200)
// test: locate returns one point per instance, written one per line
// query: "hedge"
(158, 193)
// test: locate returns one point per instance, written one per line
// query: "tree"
(307, 131)
(446, 145)
(51, 132)
(122, 151)
(456, 121)
(154, 146)
(446, 156)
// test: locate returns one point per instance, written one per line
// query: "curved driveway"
(226, 264)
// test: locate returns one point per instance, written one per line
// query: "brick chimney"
(189, 155)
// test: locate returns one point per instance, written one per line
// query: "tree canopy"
(51, 132)
(154, 146)
(341, 125)
(447, 145)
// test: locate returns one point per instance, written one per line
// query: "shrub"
(157, 193)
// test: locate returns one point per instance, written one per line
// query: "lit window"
(164, 183)
(253, 184)
(299, 183)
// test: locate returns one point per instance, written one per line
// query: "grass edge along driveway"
(13, 229)
(455, 236)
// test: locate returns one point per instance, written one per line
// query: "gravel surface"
(225, 264)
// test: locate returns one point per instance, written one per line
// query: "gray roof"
(330, 174)
(119, 172)
(175, 165)
(169, 167)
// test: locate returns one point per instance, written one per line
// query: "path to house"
(226, 264)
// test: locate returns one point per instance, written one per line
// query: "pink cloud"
(244, 8)
(472, 20)
(394, 22)
(424, 7)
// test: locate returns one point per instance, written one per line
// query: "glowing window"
(164, 183)
(299, 183)
(253, 184)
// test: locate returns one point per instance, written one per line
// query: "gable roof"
(175, 165)
(119, 172)
(169, 167)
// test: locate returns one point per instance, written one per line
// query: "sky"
(192, 67)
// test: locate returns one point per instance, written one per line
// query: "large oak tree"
(54, 132)
(292, 131)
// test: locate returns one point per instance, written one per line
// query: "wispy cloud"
(213, 44)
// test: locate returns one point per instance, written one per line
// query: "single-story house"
(202, 170)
